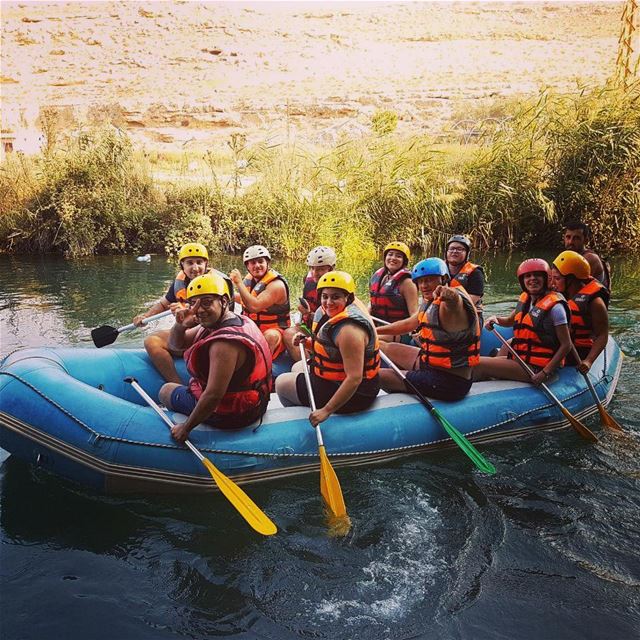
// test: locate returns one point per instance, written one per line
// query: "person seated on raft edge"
(540, 324)
(464, 273)
(588, 300)
(264, 296)
(392, 294)
(320, 260)
(449, 336)
(227, 356)
(344, 358)
(193, 259)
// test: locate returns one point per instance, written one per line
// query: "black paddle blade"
(104, 335)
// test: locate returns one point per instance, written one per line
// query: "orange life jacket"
(386, 300)
(448, 349)
(462, 277)
(326, 360)
(275, 316)
(247, 395)
(310, 293)
(530, 340)
(581, 323)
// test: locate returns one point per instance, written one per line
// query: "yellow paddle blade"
(586, 433)
(608, 420)
(246, 507)
(330, 487)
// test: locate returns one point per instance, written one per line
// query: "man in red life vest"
(193, 258)
(227, 356)
(264, 295)
(320, 260)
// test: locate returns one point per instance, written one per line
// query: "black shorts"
(323, 391)
(438, 384)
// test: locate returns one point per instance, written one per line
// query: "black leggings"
(323, 391)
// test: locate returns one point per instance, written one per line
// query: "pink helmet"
(533, 265)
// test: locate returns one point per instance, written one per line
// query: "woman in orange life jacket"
(449, 336)
(264, 295)
(463, 272)
(344, 358)
(540, 324)
(588, 300)
(392, 294)
(320, 260)
(227, 356)
(194, 261)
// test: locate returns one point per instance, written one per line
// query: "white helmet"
(255, 251)
(321, 257)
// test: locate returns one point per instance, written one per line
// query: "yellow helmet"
(337, 280)
(401, 247)
(208, 284)
(193, 250)
(570, 262)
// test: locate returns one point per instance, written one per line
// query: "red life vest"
(581, 323)
(310, 293)
(530, 340)
(326, 360)
(275, 316)
(181, 283)
(462, 277)
(387, 303)
(247, 395)
(448, 349)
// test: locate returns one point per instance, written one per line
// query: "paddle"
(574, 422)
(104, 335)
(329, 484)
(236, 496)
(467, 448)
(605, 418)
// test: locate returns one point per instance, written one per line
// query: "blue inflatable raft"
(68, 410)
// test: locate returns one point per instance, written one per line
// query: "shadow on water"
(546, 548)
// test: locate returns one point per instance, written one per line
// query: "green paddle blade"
(104, 335)
(472, 453)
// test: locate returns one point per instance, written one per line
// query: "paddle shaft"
(157, 316)
(312, 400)
(575, 423)
(152, 403)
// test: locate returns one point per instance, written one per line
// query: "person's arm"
(409, 292)
(157, 307)
(223, 361)
(597, 269)
(275, 293)
(600, 323)
(184, 328)
(399, 327)
(475, 286)
(351, 342)
(502, 321)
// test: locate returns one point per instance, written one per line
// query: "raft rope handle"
(257, 454)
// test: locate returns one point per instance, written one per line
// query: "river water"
(546, 548)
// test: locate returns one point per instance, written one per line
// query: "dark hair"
(578, 226)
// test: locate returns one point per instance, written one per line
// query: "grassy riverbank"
(539, 164)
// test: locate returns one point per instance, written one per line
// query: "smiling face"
(394, 260)
(333, 300)
(257, 267)
(427, 285)
(535, 283)
(194, 267)
(456, 254)
(208, 309)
